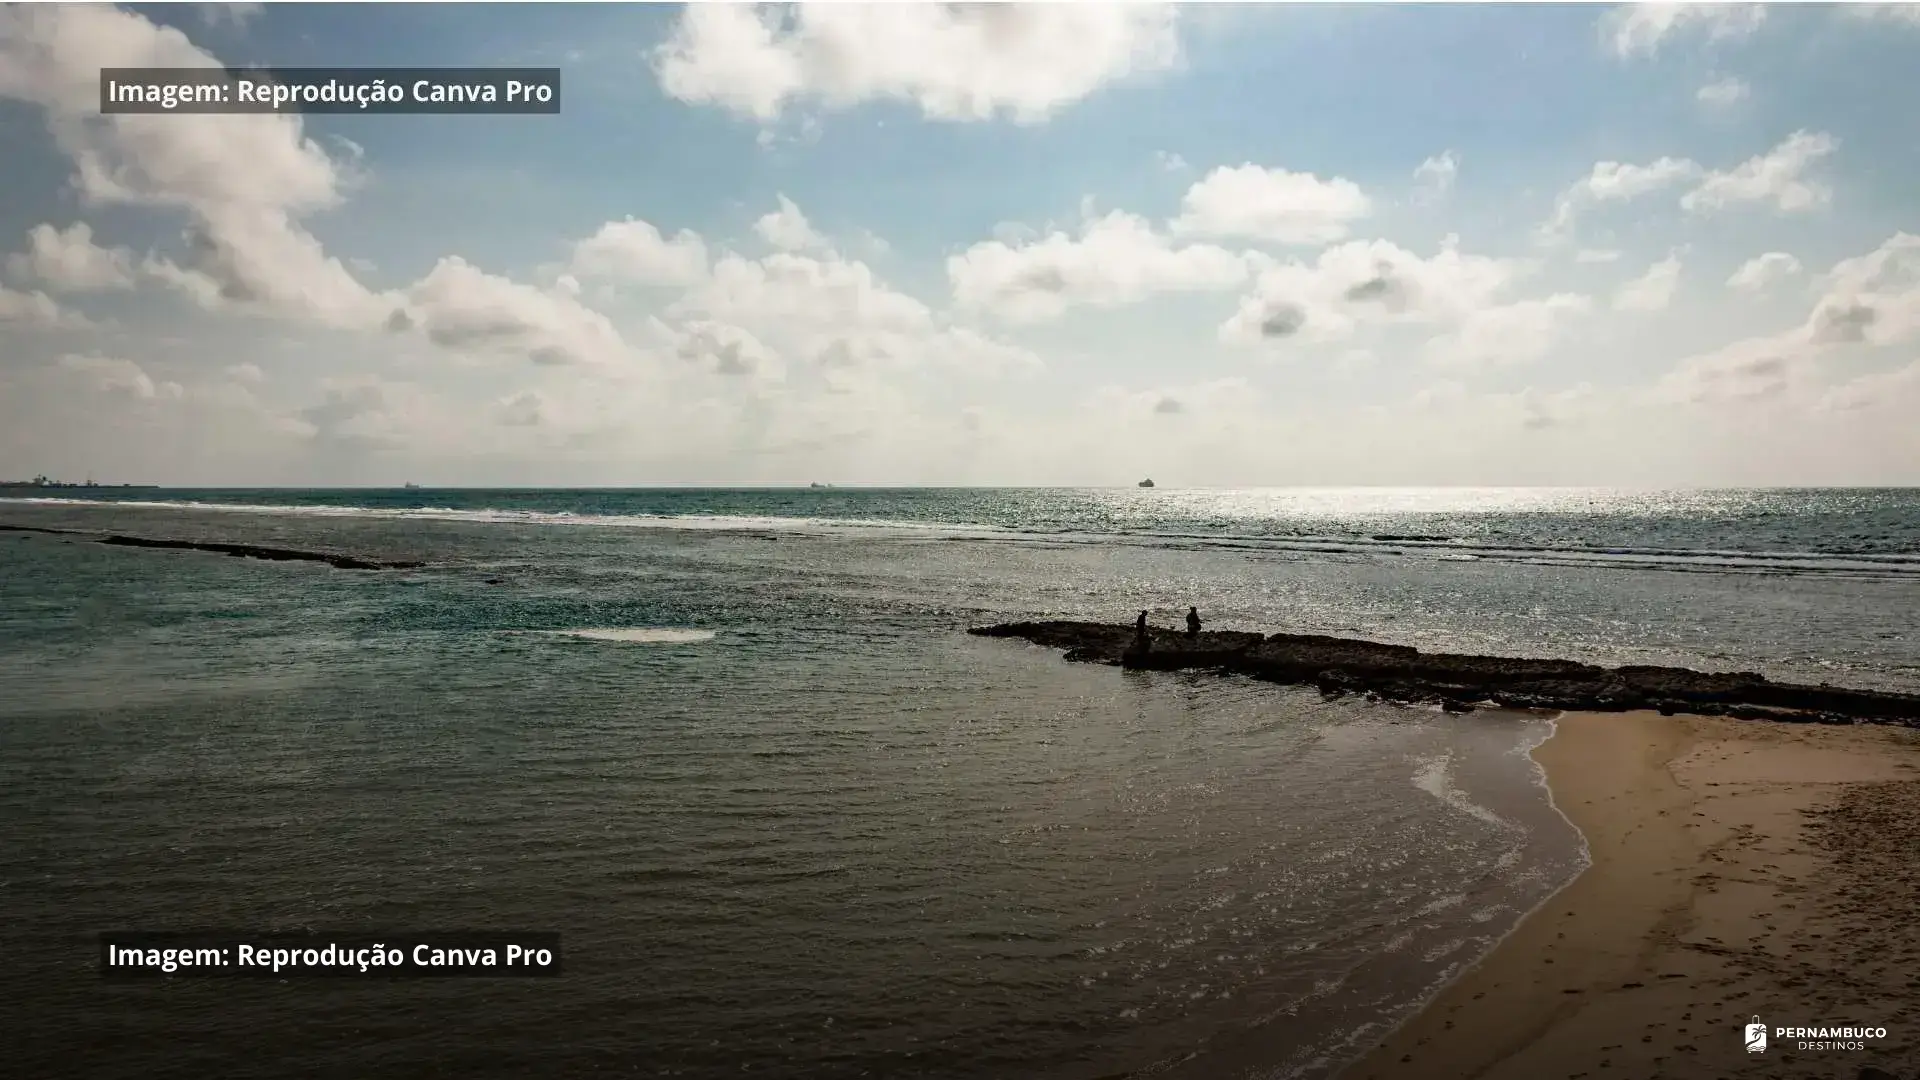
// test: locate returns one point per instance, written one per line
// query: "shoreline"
(1735, 870)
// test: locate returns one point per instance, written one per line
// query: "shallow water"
(790, 819)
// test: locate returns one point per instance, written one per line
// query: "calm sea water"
(791, 820)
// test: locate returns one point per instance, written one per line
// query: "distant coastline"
(40, 482)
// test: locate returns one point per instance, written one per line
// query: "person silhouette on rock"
(1141, 640)
(1193, 622)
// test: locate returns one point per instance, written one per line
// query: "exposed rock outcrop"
(247, 551)
(1457, 681)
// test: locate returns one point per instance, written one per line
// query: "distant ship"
(411, 486)
(819, 485)
(1148, 482)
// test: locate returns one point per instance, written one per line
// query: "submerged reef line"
(245, 551)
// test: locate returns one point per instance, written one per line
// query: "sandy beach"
(1740, 870)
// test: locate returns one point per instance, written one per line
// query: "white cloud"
(724, 350)
(1117, 259)
(1873, 298)
(635, 251)
(1639, 29)
(837, 315)
(1612, 181)
(1170, 162)
(1763, 270)
(1653, 290)
(1506, 334)
(1756, 368)
(1376, 281)
(35, 310)
(1896, 390)
(1774, 177)
(1271, 204)
(244, 181)
(247, 373)
(803, 291)
(462, 308)
(70, 261)
(1908, 13)
(788, 229)
(231, 14)
(1436, 174)
(1596, 255)
(109, 375)
(1540, 409)
(956, 62)
(1723, 92)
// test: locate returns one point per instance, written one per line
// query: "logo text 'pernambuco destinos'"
(1819, 1037)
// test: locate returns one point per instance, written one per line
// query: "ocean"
(790, 819)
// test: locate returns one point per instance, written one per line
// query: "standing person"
(1193, 622)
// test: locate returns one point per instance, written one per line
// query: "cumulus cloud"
(1640, 29)
(1505, 334)
(1899, 13)
(234, 14)
(1596, 255)
(1747, 370)
(1763, 270)
(1542, 409)
(69, 261)
(724, 350)
(243, 181)
(1378, 282)
(803, 291)
(1117, 259)
(955, 62)
(1259, 203)
(1777, 177)
(525, 409)
(1895, 391)
(111, 375)
(1435, 175)
(1871, 299)
(635, 251)
(1612, 181)
(1156, 406)
(1773, 177)
(35, 310)
(1723, 92)
(1653, 290)
(461, 307)
(787, 228)
(837, 314)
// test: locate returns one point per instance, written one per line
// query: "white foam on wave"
(1434, 776)
(633, 635)
(704, 522)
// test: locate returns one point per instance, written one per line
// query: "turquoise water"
(793, 821)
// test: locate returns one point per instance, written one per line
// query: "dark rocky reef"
(245, 551)
(1459, 681)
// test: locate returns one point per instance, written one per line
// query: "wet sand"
(1740, 869)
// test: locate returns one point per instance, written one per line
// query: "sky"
(1648, 245)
